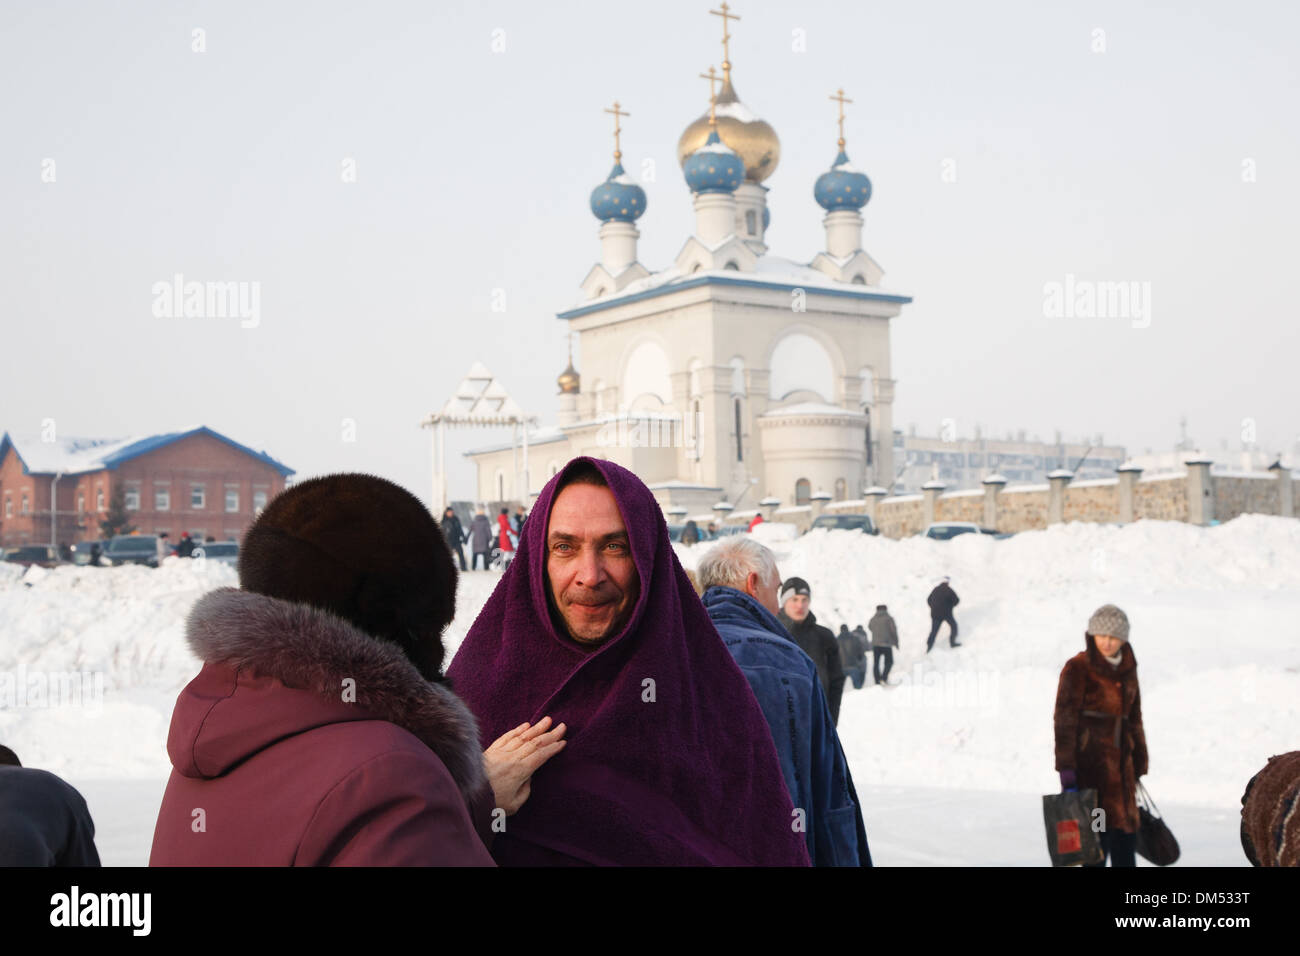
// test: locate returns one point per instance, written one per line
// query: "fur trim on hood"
(310, 649)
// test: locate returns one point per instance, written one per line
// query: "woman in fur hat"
(1100, 743)
(320, 729)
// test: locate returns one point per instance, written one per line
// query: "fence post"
(993, 484)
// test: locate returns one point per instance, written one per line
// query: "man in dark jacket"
(455, 535)
(816, 641)
(942, 600)
(740, 579)
(884, 638)
(853, 654)
(43, 820)
(480, 540)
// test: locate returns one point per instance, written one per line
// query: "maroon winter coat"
(287, 772)
(1099, 731)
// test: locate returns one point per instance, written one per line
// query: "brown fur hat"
(1270, 813)
(366, 550)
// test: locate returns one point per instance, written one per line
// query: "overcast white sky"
(474, 168)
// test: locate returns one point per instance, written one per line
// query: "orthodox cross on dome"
(618, 152)
(841, 99)
(712, 77)
(726, 53)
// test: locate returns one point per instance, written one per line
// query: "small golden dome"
(568, 380)
(753, 139)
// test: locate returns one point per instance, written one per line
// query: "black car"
(27, 555)
(861, 523)
(132, 549)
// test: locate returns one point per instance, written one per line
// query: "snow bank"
(1213, 611)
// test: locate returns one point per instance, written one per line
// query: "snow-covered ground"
(950, 763)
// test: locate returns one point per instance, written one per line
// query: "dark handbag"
(1155, 841)
(1071, 840)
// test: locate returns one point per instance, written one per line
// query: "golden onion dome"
(569, 380)
(753, 139)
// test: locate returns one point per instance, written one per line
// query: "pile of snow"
(1213, 613)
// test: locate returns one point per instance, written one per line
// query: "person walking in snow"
(480, 540)
(942, 600)
(1100, 743)
(884, 638)
(691, 533)
(816, 641)
(853, 655)
(455, 535)
(505, 533)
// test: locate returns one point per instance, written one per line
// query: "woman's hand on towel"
(515, 756)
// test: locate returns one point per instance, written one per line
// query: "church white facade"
(732, 374)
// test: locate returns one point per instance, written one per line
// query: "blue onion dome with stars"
(842, 186)
(618, 198)
(714, 167)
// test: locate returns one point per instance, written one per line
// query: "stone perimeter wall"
(1169, 498)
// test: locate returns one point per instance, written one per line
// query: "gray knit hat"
(1108, 619)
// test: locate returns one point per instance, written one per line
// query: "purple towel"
(691, 778)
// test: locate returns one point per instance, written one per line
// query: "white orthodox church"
(732, 374)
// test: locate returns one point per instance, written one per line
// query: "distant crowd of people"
(484, 542)
(606, 707)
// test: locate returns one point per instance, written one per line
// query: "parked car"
(947, 530)
(675, 531)
(224, 552)
(81, 551)
(29, 554)
(861, 523)
(132, 549)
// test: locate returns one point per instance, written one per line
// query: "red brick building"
(194, 480)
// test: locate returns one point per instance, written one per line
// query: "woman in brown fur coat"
(1099, 739)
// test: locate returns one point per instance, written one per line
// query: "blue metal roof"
(137, 448)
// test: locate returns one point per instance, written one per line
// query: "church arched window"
(800, 363)
(737, 376)
(841, 489)
(694, 436)
(867, 387)
(740, 453)
(647, 383)
(859, 280)
(732, 265)
(802, 491)
(501, 485)
(751, 222)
